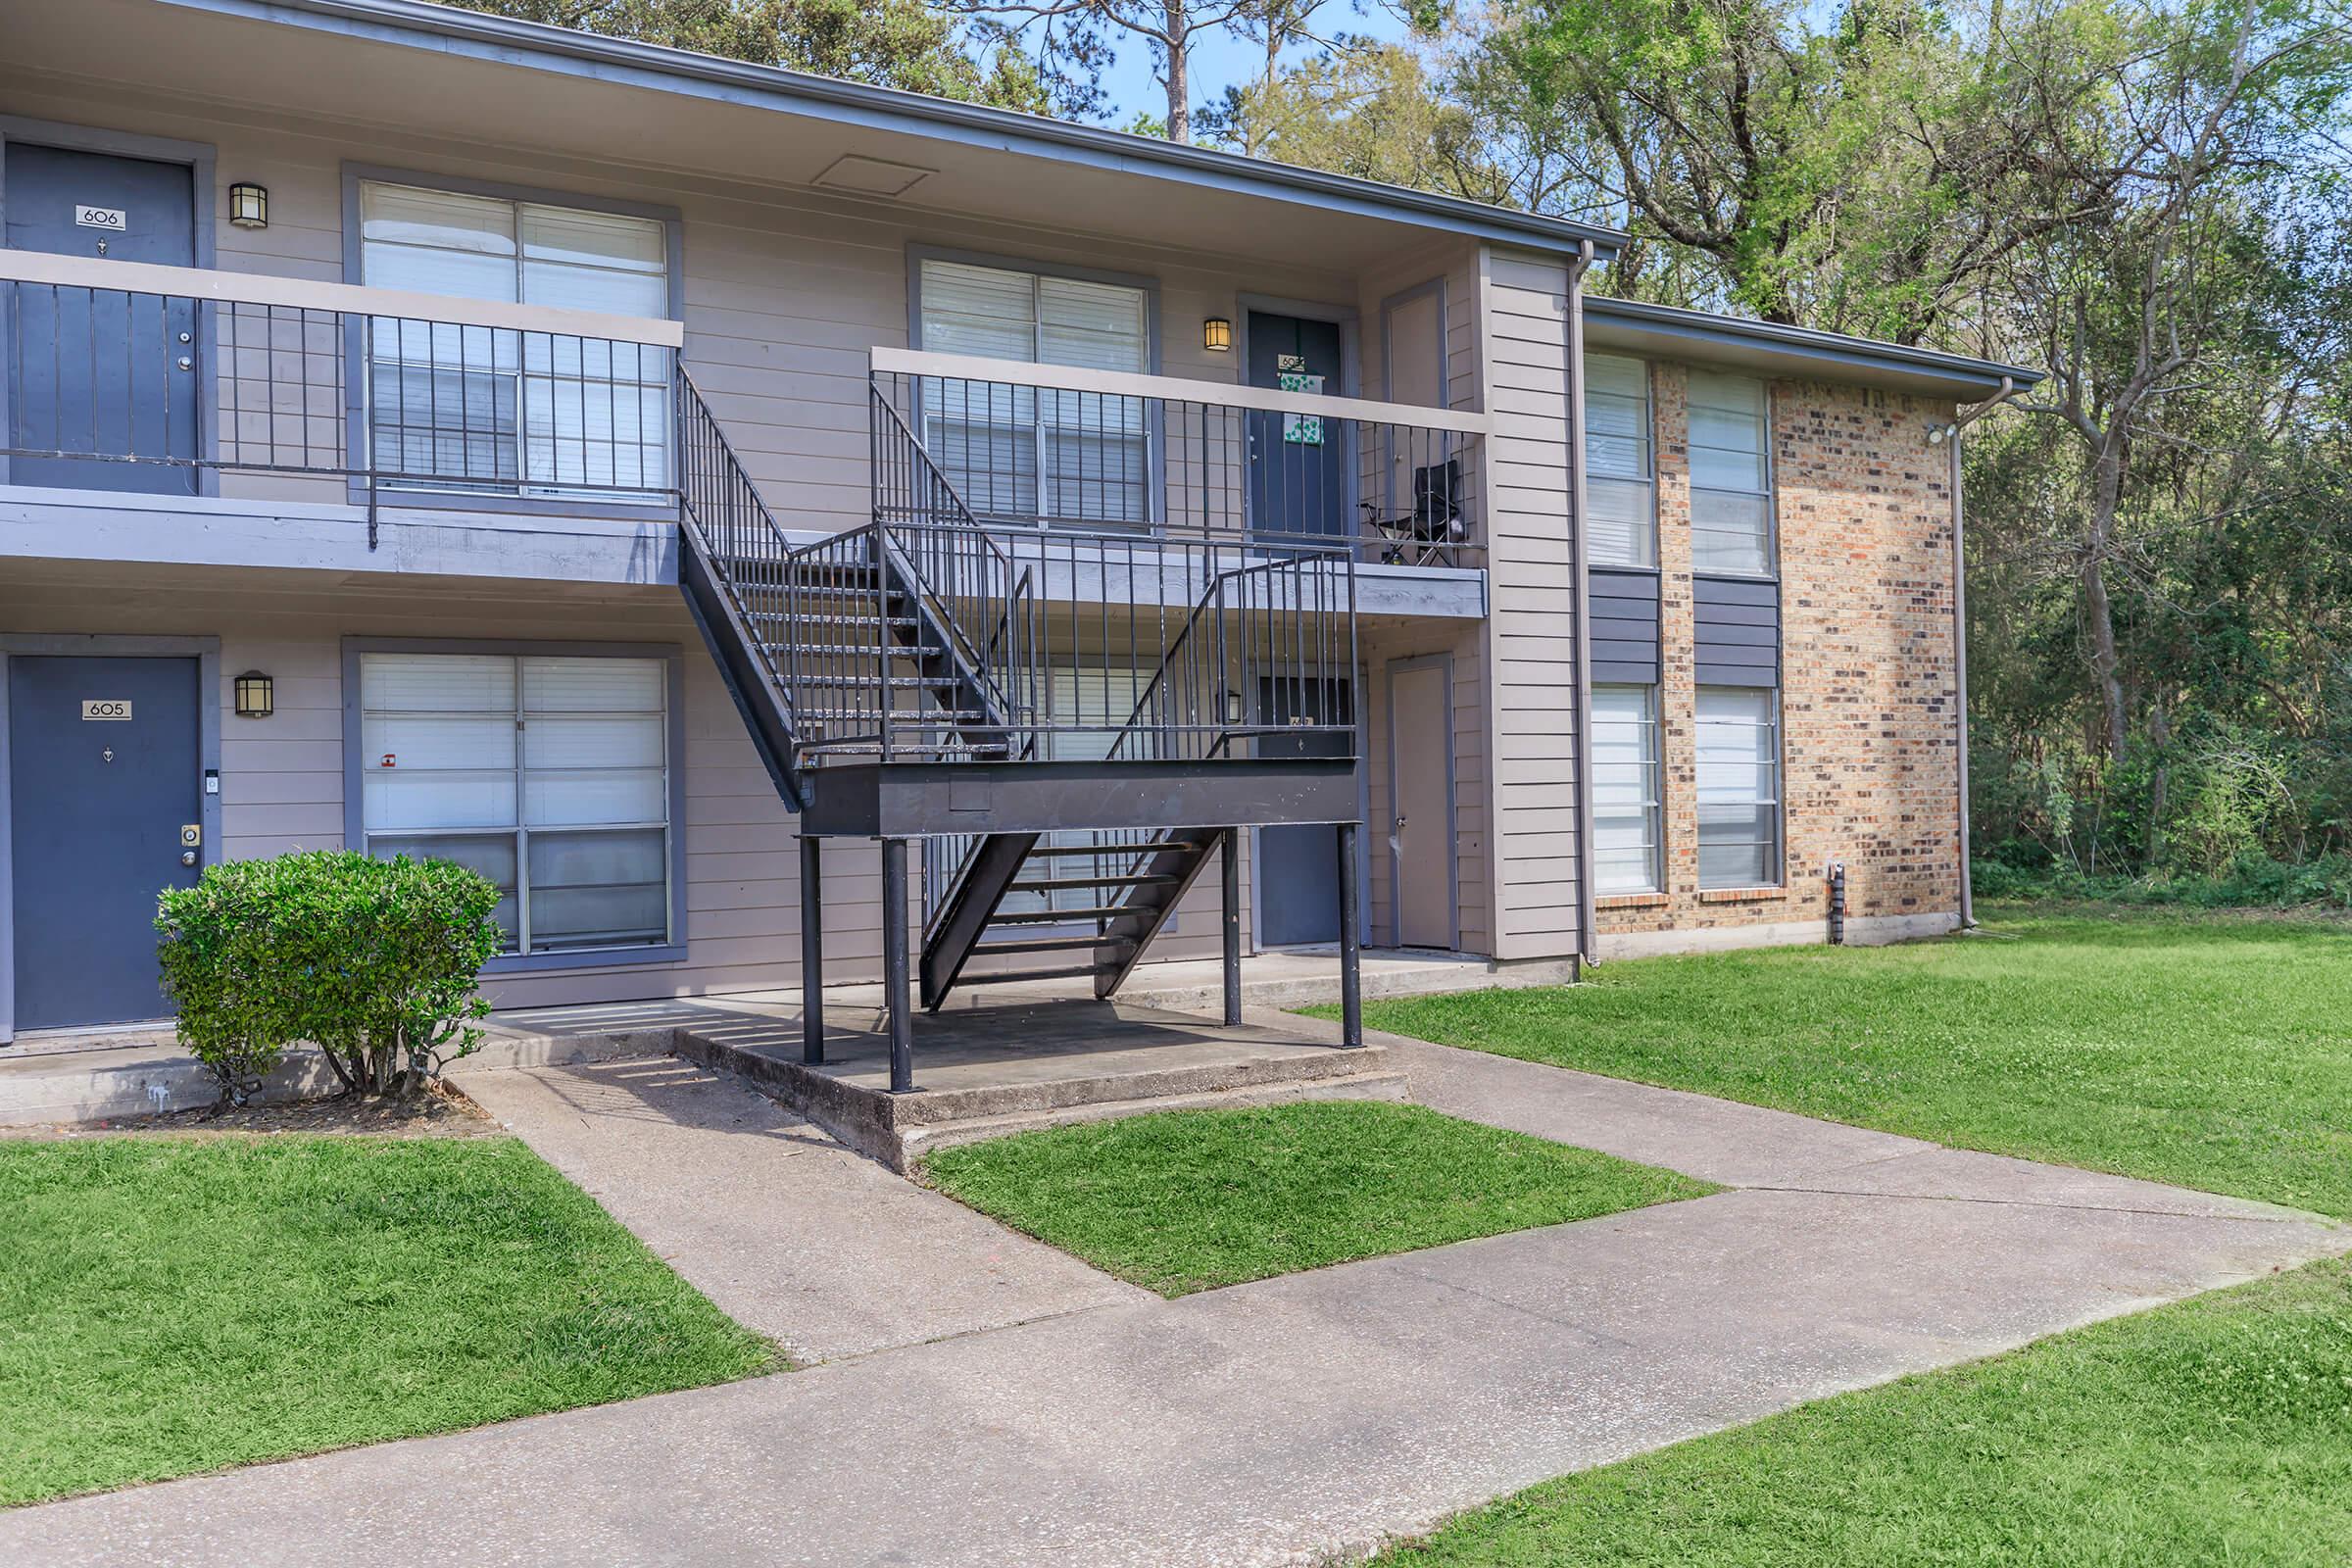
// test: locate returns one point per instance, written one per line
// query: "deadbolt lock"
(191, 834)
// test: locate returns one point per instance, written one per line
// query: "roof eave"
(1800, 352)
(506, 41)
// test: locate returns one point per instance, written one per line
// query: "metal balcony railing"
(1050, 448)
(125, 375)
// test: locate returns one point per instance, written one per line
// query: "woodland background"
(2149, 198)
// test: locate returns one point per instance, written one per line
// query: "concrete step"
(980, 1073)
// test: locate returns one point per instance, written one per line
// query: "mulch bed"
(439, 1113)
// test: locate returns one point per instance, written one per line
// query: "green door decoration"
(1290, 375)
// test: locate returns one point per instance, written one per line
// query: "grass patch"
(1191, 1200)
(177, 1304)
(2209, 1051)
(2214, 1430)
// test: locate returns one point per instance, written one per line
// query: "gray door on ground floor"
(1421, 771)
(104, 773)
(1297, 868)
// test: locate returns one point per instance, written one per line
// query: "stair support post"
(896, 978)
(1228, 857)
(812, 952)
(1352, 986)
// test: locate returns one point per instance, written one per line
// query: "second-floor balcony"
(348, 407)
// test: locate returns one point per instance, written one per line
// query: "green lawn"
(2218, 1431)
(2210, 1052)
(175, 1305)
(1189, 1200)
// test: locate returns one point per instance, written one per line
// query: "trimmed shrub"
(376, 963)
(219, 973)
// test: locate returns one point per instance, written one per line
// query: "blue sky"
(1226, 59)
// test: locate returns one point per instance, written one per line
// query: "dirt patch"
(441, 1113)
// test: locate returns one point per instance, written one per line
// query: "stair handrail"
(699, 431)
(1212, 599)
(991, 658)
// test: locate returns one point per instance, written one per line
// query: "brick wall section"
(1869, 753)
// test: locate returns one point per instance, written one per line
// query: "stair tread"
(1057, 883)
(1104, 911)
(828, 618)
(1153, 847)
(982, 950)
(1077, 971)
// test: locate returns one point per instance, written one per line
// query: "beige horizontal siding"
(1534, 755)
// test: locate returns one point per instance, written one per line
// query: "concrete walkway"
(1269, 1423)
(789, 1233)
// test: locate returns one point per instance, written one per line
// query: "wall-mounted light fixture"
(1236, 710)
(249, 205)
(1938, 434)
(255, 696)
(1216, 335)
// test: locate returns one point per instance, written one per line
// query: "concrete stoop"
(985, 1074)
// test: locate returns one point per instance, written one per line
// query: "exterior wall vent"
(871, 176)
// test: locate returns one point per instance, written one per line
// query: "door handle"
(187, 856)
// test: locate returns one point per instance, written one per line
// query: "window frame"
(1653, 764)
(672, 658)
(1154, 519)
(1777, 877)
(357, 175)
(1769, 495)
(1649, 479)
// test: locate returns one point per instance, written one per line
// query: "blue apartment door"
(1297, 466)
(103, 778)
(1297, 868)
(95, 371)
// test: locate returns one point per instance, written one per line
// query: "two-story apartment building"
(779, 529)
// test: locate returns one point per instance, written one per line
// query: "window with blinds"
(1619, 495)
(1739, 787)
(1730, 475)
(1625, 790)
(1030, 455)
(483, 408)
(549, 776)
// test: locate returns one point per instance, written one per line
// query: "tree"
(890, 43)
(1368, 110)
(1066, 37)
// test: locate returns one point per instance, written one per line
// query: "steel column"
(812, 952)
(1229, 855)
(1352, 986)
(894, 967)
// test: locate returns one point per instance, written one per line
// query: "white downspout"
(1963, 418)
(1587, 910)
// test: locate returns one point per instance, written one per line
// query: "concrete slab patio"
(1036, 1058)
(1269, 1423)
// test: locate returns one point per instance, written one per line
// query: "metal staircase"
(931, 675)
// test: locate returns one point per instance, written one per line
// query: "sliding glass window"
(1730, 475)
(1036, 455)
(549, 776)
(1739, 787)
(493, 410)
(1619, 488)
(1625, 790)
